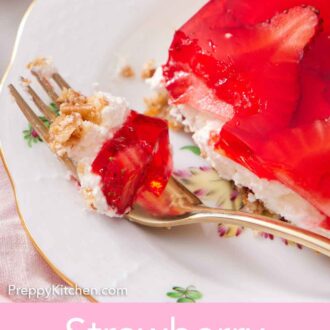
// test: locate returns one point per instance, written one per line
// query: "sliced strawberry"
(205, 33)
(136, 159)
(244, 70)
(300, 158)
(315, 82)
(123, 176)
(217, 14)
(157, 205)
(272, 73)
(326, 223)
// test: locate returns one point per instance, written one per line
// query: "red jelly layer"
(264, 69)
(137, 160)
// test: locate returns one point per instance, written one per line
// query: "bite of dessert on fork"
(118, 155)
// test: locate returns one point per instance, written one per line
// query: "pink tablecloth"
(20, 263)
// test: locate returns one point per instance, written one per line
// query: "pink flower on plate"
(266, 235)
(229, 231)
(234, 194)
(182, 174)
(205, 168)
(287, 242)
(200, 192)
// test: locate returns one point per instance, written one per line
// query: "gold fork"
(188, 208)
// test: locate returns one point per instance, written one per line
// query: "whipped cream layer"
(81, 138)
(276, 197)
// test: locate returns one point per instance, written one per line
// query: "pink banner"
(165, 316)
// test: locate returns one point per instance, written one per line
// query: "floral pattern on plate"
(185, 295)
(205, 183)
(30, 135)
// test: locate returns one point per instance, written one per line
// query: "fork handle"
(314, 241)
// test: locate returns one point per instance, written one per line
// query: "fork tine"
(38, 125)
(42, 106)
(32, 118)
(60, 81)
(45, 84)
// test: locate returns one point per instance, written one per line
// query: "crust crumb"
(81, 167)
(89, 197)
(75, 109)
(255, 206)
(38, 62)
(25, 81)
(158, 106)
(148, 70)
(127, 72)
(73, 102)
(71, 97)
(88, 112)
(65, 131)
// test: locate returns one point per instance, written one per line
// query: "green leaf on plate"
(194, 294)
(174, 294)
(179, 289)
(185, 295)
(31, 136)
(185, 300)
(194, 149)
(54, 108)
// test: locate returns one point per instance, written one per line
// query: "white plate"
(88, 40)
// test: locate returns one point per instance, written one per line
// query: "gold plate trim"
(2, 157)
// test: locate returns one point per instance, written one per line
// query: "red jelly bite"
(264, 69)
(137, 160)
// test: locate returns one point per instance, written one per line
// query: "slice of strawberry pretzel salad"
(249, 81)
